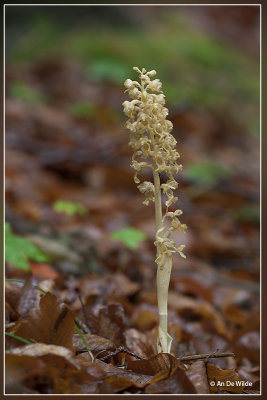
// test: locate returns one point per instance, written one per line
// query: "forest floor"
(84, 318)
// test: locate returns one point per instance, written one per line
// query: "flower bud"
(128, 84)
(152, 73)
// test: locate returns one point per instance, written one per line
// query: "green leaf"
(18, 337)
(249, 213)
(208, 172)
(131, 237)
(25, 93)
(83, 339)
(69, 208)
(19, 250)
(82, 109)
(108, 70)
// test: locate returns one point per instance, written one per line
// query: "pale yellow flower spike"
(151, 140)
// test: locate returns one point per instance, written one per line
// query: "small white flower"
(164, 113)
(155, 85)
(152, 73)
(134, 93)
(161, 98)
(132, 126)
(128, 83)
(130, 108)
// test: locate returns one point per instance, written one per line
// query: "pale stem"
(163, 279)
(164, 269)
(158, 207)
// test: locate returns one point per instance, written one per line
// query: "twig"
(119, 351)
(205, 356)
(182, 359)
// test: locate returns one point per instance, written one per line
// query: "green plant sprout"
(107, 69)
(25, 93)
(69, 208)
(208, 172)
(19, 250)
(131, 237)
(154, 148)
(248, 213)
(82, 109)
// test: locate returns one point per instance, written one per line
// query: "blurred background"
(68, 174)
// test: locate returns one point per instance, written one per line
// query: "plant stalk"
(149, 132)
(163, 279)
(163, 272)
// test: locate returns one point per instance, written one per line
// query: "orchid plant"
(154, 147)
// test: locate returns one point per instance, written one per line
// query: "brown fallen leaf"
(248, 345)
(246, 342)
(108, 321)
(198, 376)
(44, 271)
(30, 296)
(206, 343)
(113, 378)
(145, 317)
(186, 305)
(214, 316)
(120, 286)
(46, 368)
(176, 383)
(225, 379)
(12, 295)
(112, 285)
(114, 384)
(95, 372)
(19, 368)
(235, 315)
(194, 285)
(50, 323)
(139, 343)
(248, 374)
(97, 344)
(137, 379)
(41, 349)
(160, 362)
(256, 386)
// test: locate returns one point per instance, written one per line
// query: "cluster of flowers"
(153, 147)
